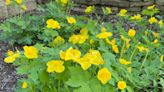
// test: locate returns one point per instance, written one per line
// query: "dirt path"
(8, 77)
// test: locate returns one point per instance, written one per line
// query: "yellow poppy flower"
(91, 41)
(55, 66)
(18, 1)
(155, 34)
(80, 39)
(9, 59)
(112, 42)
(155, 41)
(84, 31)
(24, 85)
(124, 62)
(30, 52)
(151, 7)
(104, 35)
(92, 57)
(160, 23)
(121, 85)
(64, 1)
(8, 2)
(141, 48)
(23, 7)
(58, 40)
(115, 48)
(103, 29)
(95, 57)
(71, 20)
(11, 56)
(70, 54)
(9, 53)
(53, 24)
(88, 9)
(84, 62)
(122, 12)
(104, 75)
(136, 17)
(131, 32)
(152, 20)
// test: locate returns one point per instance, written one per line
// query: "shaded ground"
(8, 77)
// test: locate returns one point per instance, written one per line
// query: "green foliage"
(144, 73)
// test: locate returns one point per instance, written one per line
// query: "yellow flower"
(152, 20)
(124, 62)
(9, 59)
(127, 44)
(30, 52)
(91, 41)
(64, 1)
(95, 57)
(62, 55)
(24, 85)
(161, 58)
(70, 54)
(115, 48)
(8, 2)
(131, 32)
(18, 1)
(88, 9)
(123, 12)
(121, 85)
(151, 7)
(80, 39)
(55, 66)
(9, 53)
(104, 75)
(136, 17)
(84, 31)
(92, 57)
(11, 56)
(84, 62)
(112, 42)
(155, 41)
(58, 40)
(23, 7)
(53, 24)
(156, 34)
(104, 35)
(141, 48)
(160, 23)
(71, 20)
(103, 29)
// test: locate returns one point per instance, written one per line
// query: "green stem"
(132, 54)
(59, 81)
(66, 88)
(144, 60)
(122, 49)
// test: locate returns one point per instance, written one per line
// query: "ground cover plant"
(60, 52)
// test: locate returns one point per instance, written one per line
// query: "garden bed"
(60, 51)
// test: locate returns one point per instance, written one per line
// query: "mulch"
(8, 76)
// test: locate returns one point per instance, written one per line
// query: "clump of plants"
(80, 54)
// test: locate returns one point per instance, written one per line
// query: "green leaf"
(22, 69)
(108, 58)
(162, 82)
(78, 78)
(43, 77)
(33, 76)
(84, 88)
